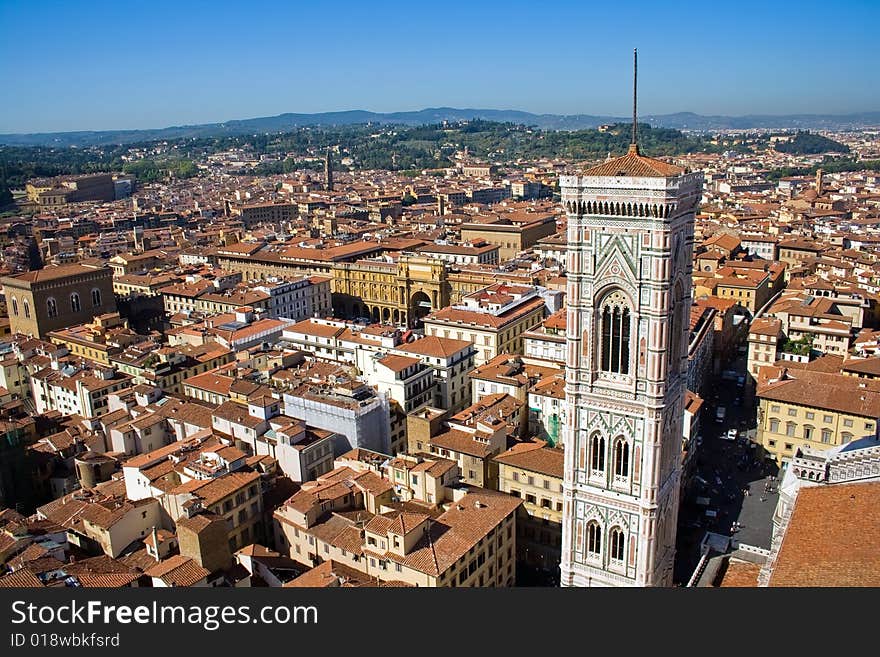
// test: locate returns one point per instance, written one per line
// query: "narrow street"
(730, 484)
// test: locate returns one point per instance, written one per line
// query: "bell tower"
(328, 171)
(630, 244)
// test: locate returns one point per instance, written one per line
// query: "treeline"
(22, 163)
(287, 165)
(148, 170)
(401, 148)
(428, 147)
(810, 143)
(831, 166)
(395, 148)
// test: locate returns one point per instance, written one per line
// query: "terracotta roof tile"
(832, 538)
(536, 457)
(636, 165)
(740, 574)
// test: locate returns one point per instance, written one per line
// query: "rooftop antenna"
(634, 143)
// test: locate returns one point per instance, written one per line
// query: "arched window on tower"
(597, 453)
(51, 307)
(617, 543)
(27, 308)
(74, 303)
(15, 306)
(615, 333)
(594, 539)
(96, 297)
(621, 458)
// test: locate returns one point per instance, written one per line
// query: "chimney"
(156, 543)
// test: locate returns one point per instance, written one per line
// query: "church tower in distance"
(630, 245)
(328, 171)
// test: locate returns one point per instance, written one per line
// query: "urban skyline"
(441, 352)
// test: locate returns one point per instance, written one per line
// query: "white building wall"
(367, 427)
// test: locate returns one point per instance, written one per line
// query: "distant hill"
(289, 121)
(808, 143)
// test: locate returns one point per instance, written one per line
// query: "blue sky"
(96, 65)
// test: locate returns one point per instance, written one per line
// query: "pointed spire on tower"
(634, 142)
(634, 163)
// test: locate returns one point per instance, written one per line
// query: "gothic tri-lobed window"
(594, 538)
(616, 543)
(621, 458)
(597, 453)
(615, 330)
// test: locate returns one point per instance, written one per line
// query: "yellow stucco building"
(804, 408)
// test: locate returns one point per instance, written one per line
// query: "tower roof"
(636, 165)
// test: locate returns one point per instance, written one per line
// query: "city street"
(730, 485)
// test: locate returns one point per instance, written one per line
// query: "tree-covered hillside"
(810, 143)
(367, 146)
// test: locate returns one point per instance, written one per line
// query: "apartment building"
(511, 236)
(547, 341)
(815, 409)
(199, 475)
(272, 212)
(76, 390)
(470, 438)
(533, 472)
(344, 342)
(297, 299)
(135, 285)
(548, 409)
(475, 253)
(97, 341)
(102, 523)
(452, 361)
(168, 368)
(347, 517)
(406, 380)
(355, 413)
(493, 319)
(749, 288)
